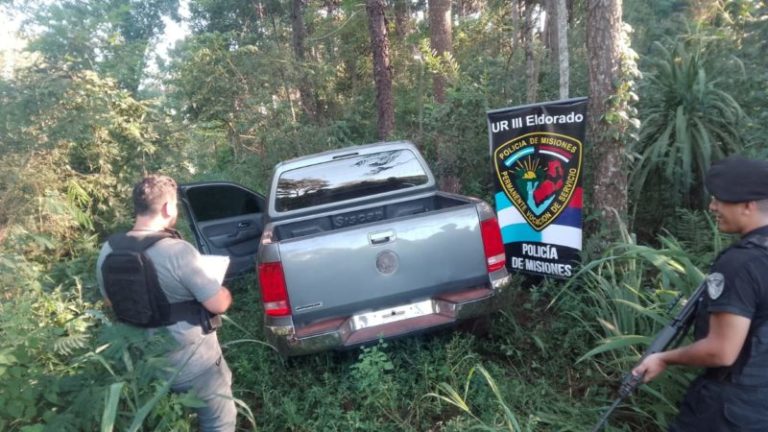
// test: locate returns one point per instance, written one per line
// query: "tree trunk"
(382, 70)
(516, 11)
(298, 36)
(549, 32)
(604, 45)
(561, 13)
(441, 39)
(531, 60)
(402, 19)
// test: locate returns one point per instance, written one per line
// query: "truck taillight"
(494, 248)
(273, 292)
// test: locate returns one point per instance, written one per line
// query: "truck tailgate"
(387, 263)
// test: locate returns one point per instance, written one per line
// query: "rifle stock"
(668, 337)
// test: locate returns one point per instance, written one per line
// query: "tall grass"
(633, 291)
(446, 393)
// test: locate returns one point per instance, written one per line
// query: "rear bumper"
(424, 315)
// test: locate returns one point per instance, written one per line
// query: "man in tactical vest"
(152, 278)
(731, 324)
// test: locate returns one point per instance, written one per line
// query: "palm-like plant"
(688, 122)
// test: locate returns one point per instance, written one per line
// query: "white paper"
(215, 266)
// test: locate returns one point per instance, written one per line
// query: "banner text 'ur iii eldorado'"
(537, 152)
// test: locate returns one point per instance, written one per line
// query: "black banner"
(537, 152)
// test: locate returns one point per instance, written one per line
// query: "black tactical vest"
(132, 286)
(751, 367)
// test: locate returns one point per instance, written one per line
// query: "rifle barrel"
(604, 419)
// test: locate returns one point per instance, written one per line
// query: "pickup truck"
(354, 245)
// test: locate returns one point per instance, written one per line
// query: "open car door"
(226, 219)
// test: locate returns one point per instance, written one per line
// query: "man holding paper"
(178, 289)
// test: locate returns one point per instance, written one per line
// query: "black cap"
(738, 179)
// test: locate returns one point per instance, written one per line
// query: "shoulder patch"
(715, 284)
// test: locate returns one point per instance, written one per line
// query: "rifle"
(669, 336)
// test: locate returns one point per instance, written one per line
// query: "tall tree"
(441, 40)
(382, 69)
(549, 21)
(608, 108)
(402, 19)
(299, 52)
(531, 39)
(561, 15)
(516, 14)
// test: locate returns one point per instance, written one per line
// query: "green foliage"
(75, 133)
(632, 290)
(454, 122)
(73, 143)
(446, 393)
(438, 64)
(372, 367)
(653, 21)
(688, 122)
(110, 37)
(126, 376)
(383, 387)
(621, 115)
(22, 356)
(744, 34)
(67, 171)
(59, 358)
(696, 232)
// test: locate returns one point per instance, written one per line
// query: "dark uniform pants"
(714, 406)
(214, 388)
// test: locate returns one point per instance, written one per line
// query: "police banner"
(537, 153)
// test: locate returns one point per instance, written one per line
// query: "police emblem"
(715, 285)
(538, 173)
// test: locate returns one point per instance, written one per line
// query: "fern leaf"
(66, 345)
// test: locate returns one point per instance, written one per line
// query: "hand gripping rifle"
(670, 336)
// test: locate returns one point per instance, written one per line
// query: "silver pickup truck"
(357, 244)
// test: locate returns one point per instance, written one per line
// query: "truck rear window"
(348, 178)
